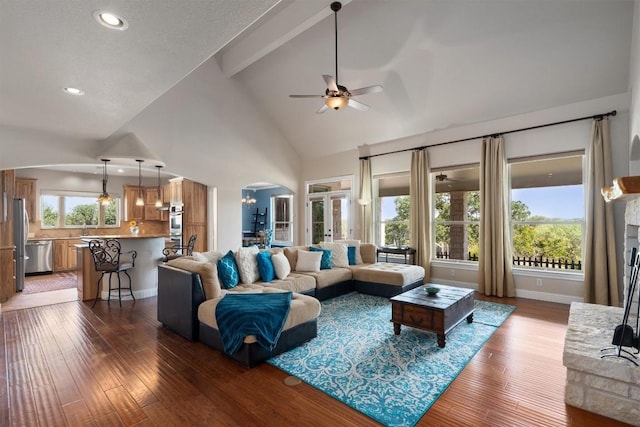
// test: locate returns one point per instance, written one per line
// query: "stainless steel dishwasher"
(40, 256)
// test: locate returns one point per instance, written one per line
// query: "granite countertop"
(106, 236)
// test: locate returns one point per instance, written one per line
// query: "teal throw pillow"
(325, 262)
(265, 266)
(351, 254)
(228, 271)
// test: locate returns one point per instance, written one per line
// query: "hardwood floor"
(65, 364)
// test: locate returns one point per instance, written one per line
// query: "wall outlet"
(539, 283)
(452, 272)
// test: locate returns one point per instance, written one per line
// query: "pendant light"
(104, 198)
(140, 199)
(159, 199)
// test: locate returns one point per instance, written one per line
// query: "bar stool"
(106, 259)
(173, 252)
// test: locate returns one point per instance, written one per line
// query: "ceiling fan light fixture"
(336, 102)
(104, 198)
(159, 198)
(140, 199)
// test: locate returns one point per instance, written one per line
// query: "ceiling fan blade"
(358, 105)
(322, 109)
(368, 89)
(306, 96)
(331, 83)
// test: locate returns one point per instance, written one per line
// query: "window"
(394, 221)
(73, 210)
(457, 214)
(282, 208)
(547, 212)
(393, 207)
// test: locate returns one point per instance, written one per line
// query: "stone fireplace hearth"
(609, 386)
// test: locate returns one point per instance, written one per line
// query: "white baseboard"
(545, 296)
(540, 296)
(138, 293)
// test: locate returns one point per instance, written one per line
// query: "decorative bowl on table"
(432, 290)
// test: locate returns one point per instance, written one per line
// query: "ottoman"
(387, 279)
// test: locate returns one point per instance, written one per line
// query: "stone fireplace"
(632, 225)
(608, 386)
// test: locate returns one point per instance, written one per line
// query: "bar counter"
(144, 276)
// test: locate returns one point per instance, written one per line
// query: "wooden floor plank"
(67, 364)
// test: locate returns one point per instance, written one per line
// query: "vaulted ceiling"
(442, 63)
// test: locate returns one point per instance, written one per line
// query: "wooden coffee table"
(439, 313)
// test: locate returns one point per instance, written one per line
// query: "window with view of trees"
(457, 214)
(548, 212)
(394, 221)
(77, 210)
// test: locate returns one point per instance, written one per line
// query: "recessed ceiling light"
(120, 170)
(73, 91)
(110, 20)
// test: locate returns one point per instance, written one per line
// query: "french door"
(328, 216)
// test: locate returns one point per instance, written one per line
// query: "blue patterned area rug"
(393, 379)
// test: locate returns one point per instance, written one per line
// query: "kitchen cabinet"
(151, 212)
(26, 188)
(175, 191)
(7, 263)
(148, 211)
(132, 211)
(193, 197)
(65, 256)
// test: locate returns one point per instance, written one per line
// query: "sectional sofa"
(189, 289)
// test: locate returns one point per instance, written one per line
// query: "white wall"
(205, 128)
(555, 139)
(634, 87)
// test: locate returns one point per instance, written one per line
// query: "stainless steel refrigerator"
(20, 235)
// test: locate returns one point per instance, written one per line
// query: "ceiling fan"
(443, 178)
(337, 96)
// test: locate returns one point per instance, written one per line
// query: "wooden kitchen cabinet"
(151, 212)
(65, 256)
(175, 191)
(26, 188)
(131, 210)
(194, 197)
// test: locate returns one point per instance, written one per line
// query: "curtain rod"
(595, 117)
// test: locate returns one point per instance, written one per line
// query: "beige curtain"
(494, 260)
(600, 273)
(365, 199)
(419, 192)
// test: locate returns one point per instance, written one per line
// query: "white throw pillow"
(210, 256)
(355, 243)
(280, 265)
(339, 256)
(308, 261)
(247, 261)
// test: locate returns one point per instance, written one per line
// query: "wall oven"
(175, 223)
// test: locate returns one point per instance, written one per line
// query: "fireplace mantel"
(623, 188)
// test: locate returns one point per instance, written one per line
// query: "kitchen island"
(144, 276)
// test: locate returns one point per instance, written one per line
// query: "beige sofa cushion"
(295, 282)
(303, 308)
(330, 277)
(389, 273)
(369, 253)
(208, 274)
